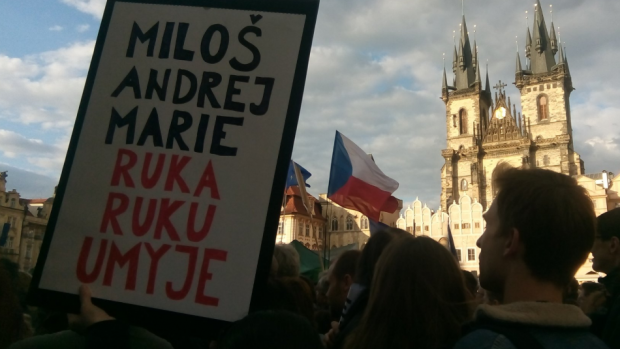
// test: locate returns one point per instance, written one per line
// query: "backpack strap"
(521, 338)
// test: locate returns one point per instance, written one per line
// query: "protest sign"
(169, 198)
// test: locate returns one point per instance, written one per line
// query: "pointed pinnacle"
(519, 69)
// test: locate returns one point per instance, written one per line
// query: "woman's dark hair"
(372, 251)
(417, 299)
(271, 330)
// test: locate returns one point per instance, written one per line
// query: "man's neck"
(521, 286)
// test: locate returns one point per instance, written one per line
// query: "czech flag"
(357, 183)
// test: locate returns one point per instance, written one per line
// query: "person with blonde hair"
(417, 299)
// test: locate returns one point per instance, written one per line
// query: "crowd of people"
(402, 291)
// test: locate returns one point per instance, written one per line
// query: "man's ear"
(614, 245)
(512, 243)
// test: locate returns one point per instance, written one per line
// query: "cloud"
(92, 7)
(44, 89)
(375, 75)
(82, 28)
(35, 151)
(56, 28)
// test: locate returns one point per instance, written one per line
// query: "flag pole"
(308, 205)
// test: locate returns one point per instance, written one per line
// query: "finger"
(85, 295)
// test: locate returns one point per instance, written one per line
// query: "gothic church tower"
(483, 131)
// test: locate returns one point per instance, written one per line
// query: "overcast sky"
(375, 75)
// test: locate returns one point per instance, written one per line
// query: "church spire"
(554, 40)
(487, 84)
(444, 85)
(542, 59)
(528, 43)
(519, 69)
(465, 70)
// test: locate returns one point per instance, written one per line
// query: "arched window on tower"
(349, 223)
(464, 185)
(463, 121)
(543, 108)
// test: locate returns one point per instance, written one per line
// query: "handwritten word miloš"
(188, 86)
(216, 33)
(181, 122)
(107, 259)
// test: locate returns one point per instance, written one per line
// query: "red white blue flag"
(357, 183)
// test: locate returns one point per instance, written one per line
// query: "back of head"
(372, 251)
(271, 330)
(288, 260)
(346, 264)
(417, 298)
(554, 217)
(608, 224)
(289, 294)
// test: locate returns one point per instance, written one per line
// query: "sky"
(375, 75)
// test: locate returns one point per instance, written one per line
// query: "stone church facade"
(484, 128)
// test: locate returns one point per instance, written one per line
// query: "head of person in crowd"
(417, 298)
(287, 293)
(587, 288)
(288, 261)
(271, 330)
(273, 271)
(321, 290)
(606, 249)
(571, 292)
(371, 253)
(12, 325)
(340, 280)
(471, 282)
(540, 229)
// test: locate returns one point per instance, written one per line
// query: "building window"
(456, 225)
(410, 230)
(463, 121)
(9, 243)
(349, 223)
(364, 223)
(426, 228)
(466, 226)
(477, 225)
(308, 230)
(546, 160)
(12, 203)
(543, 108)
(458, 254)
(281, 228)
(334, 224)
(314, 232)
(29, 251)
(471, 254)
(418, 229)
(464, 185)
(300, 229)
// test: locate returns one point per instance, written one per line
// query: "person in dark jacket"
(606, 253)
(360, 290)
(540, 229)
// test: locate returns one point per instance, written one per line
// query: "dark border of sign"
(160, 321)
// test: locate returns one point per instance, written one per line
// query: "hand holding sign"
(89, 315)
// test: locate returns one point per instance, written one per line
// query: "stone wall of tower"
(558, 122)
(469, 103)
